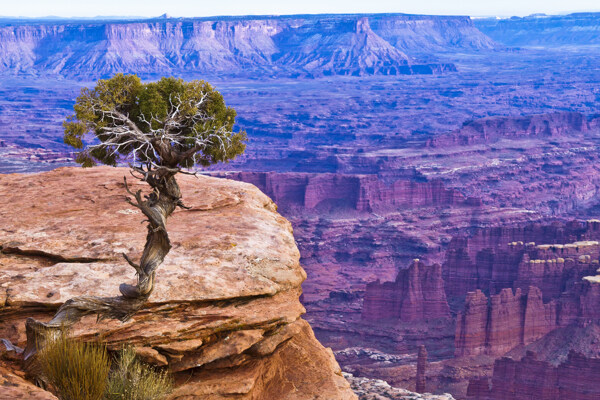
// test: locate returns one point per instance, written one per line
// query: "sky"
(200, 8)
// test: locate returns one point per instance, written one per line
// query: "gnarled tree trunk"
(157, 207)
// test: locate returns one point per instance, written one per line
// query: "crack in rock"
(55, 258)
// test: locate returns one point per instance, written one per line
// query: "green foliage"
(172, 123)
(76, 370)
(133, 380)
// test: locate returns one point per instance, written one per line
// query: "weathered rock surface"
(14, 387)
(224, 316)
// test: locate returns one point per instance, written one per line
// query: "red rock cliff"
(506, 321)
(575, 379)
(498, 258)
(416, 295)
(363, 193)
(510, 319)
(224, 316)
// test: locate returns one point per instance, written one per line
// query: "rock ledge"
(225, 315)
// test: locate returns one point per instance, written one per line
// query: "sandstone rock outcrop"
(224, 316)
(506, 321)
(416, 295)
(512, 319)
(551, 257)
(13, 387)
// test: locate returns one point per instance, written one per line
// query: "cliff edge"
(225, 315)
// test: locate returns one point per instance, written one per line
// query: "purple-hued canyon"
(441, 176)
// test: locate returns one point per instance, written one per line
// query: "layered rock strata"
(416, 295)
(351, 192)
(506, 321)
(14, 387)
(530, 378)
(224, 317)
(499, 258)
(510, 319)
(290, 45)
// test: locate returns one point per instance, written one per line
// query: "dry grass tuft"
(133, 380)
(76, 370)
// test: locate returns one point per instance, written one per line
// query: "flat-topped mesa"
(317, 45)
(554, 275)
(555, 232)
(225, 308)
(575, 250)
(416, 295)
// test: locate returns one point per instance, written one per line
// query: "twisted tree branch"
(157, 207)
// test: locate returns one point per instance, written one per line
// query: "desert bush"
(133, 380)
(76, 370)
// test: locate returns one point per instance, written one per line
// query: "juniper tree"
(161, 129)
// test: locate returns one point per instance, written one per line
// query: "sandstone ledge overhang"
(226, 299)
(232, 243)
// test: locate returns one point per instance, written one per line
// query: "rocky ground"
(376, 389)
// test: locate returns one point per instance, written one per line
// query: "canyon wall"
(493, 129)
(506, 321)
(349, 192)
(416, 295)
(530, 378)
(510, 319)
(292, 46)
(497, 258)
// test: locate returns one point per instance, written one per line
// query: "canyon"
(383, 139)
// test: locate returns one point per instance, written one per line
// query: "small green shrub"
(76, 370)
(133, 380)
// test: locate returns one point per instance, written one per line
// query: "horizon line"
(167, 16)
